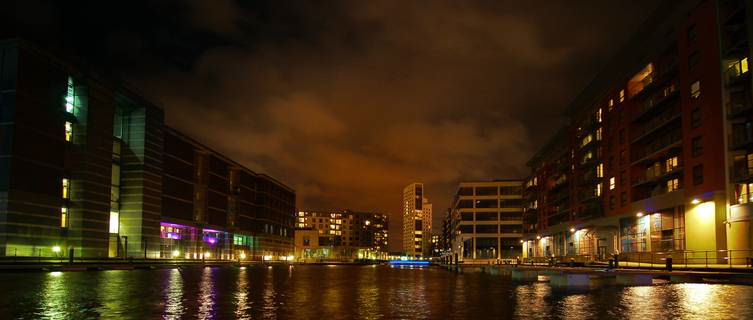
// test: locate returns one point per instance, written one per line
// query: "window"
(622, 95)
(623, 156)
(671, 164)
(692, 60)
(600, 170)
(114, 222)
(68, 131)
(697, 147)
(695, 118)
(611, 183)
(641, 80)
(70, 97)
(611, 104)
(66, 188)
(586, 140)
(673, 184)
(598, 190)
(611, 202)
(691, 32)
(623, 199)
(698, 174)
(622, 135)
(743, 193)
(64, 217)
(598, 115)
(695, 89)
(599, 134)
(623, 178)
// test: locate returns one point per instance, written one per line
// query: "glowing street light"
(243, 255)
(207, 254)
(696, 201)
(56, 249)
(639, 214)
(572, 229)
(176, 253)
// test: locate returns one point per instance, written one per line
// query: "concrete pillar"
(634, 279)
(569, 280)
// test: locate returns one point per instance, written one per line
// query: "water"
(346, 292)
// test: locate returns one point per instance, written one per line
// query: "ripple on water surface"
(346, 292)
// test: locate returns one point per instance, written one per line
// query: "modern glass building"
(89, 168)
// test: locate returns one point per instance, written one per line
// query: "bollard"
(669, 263)
(572, 262)
(616, 259)
(611, 263)
(70, 255)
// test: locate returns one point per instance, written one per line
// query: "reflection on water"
(242, 305)
(54, 297)
(174, 295)
(206, 294)
(347, 292)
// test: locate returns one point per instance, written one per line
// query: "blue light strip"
(409, 262)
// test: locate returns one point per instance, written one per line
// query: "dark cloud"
(349, 101)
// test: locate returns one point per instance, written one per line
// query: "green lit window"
(70, 97)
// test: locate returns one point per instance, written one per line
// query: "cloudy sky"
(349, 101)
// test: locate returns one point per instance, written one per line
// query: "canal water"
(347, 292)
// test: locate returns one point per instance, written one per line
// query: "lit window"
(599, 134)
(114, 222)
(600, 170)
(611, 104)
(611, 183)
(695, 90)
(586, 140)
(598, 115)
(673, 184)
(671, 164)
(68, 131)
(66, 188)
(70, 96)
(598, 190)
(622, 95)
(63, 217)
(641, 80)
(744, 194)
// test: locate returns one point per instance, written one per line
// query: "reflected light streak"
(206, 295)
(173, 296)
(242, 304)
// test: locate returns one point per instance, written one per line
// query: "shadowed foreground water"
(346, 292)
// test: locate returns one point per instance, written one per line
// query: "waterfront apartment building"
(658, 153)
(89, 169)
(340, 235)
(486, 220)
(416, 221)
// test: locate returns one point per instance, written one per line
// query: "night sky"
(349, 101)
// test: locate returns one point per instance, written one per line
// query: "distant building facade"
(88, 167)
(417, 217)
(340, 235)
(486, 221)
(658, 152)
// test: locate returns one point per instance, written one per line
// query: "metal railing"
(692, 258)
(708, 259)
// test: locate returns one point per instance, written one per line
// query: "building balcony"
(741, 212)
(589, 212)
(741, 139)
(660, 145)
(654, 125)
(738, 108)
(655, 104)
(735, 77)
(741, 173)
(651, 180)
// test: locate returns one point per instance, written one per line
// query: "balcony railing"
(658, 145)
(741, 138)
